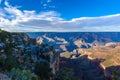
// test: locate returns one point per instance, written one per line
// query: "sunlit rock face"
(39, 40)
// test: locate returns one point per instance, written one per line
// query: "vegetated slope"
(4, 35)
(22, 59)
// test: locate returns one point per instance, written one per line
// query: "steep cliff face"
(84, 67)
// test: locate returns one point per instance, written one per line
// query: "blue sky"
(60, 15)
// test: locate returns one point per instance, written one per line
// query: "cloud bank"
(15, 20)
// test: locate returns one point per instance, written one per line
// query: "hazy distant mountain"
(73, 40)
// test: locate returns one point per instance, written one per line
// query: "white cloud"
(13, 19)
(46, 4)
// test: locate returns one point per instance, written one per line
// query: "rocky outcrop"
(39, 40)
(81, 44)
(48, 38)
(112, 44)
